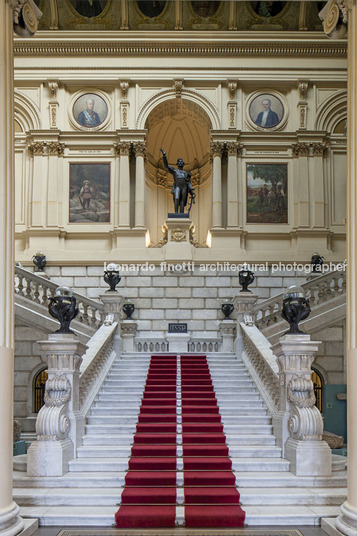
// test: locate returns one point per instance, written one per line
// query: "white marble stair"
(89, 492)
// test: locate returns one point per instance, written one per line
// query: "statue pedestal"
(178, 247)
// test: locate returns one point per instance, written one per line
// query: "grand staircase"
(90, 492)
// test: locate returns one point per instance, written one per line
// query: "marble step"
(127, 413)
(112, 496)
(231, 405)
(248, 479)
(254, 451)
(121, 464)
(229, 429)
(228, 421)
(232, 440)
(104, 515)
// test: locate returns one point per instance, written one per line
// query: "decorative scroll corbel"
(335, 17)
(26, 17)
(305, 422)
(53, 423)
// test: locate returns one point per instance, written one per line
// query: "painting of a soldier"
(89, 193)
(267, 193)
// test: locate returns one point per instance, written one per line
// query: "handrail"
(95, 366)
(318, 290)
(38, 290)
(261, 364)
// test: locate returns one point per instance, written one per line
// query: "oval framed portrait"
(89, 110)
(267, 110)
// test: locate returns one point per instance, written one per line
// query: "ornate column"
(216, 155)
(10, 522)
(233, 148)
(319, 150)
(139, 150)
(124, 184)
(301, 150)
(334, 16)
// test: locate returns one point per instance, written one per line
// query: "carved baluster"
(29, 289)
(85, 318)
(20, 286)
(93, 316)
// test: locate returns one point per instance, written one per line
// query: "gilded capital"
(122, 148)
(300, 149)
(216, 148)
(139, 148)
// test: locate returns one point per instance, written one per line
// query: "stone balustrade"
(261, 364)
(38, 290)
(319, 289)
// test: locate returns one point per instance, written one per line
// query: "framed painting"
(89, 110)
(267, 111)
(267, 193)
(89, 193)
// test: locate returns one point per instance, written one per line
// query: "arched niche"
(331, 112)
(183, 129)
(27, 114)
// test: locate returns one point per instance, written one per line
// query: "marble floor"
(91, 531)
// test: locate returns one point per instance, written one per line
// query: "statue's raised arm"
(166, 164)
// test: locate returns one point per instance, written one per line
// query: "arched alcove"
(27, 114)
(182, 128)
(331, 112)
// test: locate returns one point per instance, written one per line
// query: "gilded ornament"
(178, 235)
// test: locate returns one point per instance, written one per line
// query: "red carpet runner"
(211, 498)
(149, 496)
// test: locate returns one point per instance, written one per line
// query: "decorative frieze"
(124, 112)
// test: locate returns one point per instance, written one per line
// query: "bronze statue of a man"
(182, 183)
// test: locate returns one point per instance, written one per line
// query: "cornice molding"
(282, 46)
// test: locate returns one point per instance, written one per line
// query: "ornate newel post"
(113, 302)
(59, 425)
(227, 327)
(243, 305)
(301, 422)
(13, 15)
(128, 327)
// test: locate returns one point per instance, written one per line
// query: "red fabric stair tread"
(207, 463)
(150, 478)
(214, 495)
(205, 450)
(145, 516)
(146, 496)
(214, 516)
(209, 478)
(157, 463)
(189, 439)
(153, 450)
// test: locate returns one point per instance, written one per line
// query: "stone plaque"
(177, 328)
